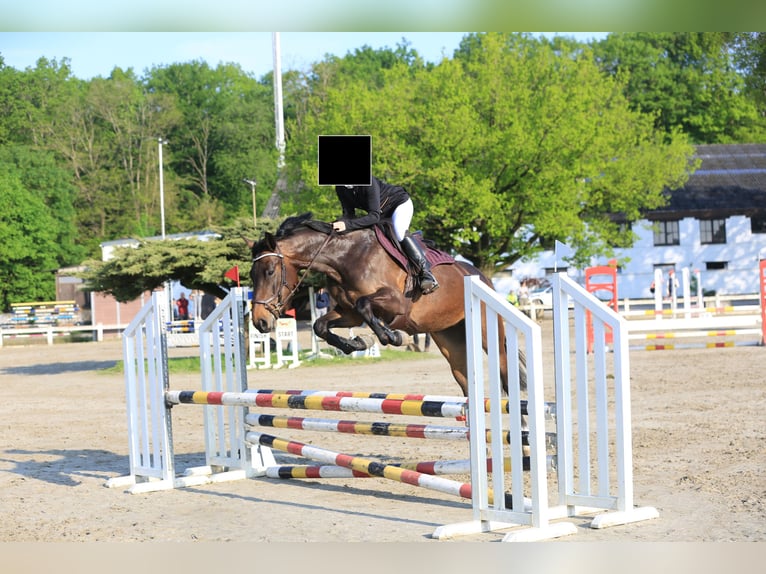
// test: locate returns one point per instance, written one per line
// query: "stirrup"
(428, 284)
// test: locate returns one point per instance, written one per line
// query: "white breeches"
(401, 218)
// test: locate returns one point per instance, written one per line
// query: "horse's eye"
(270, 271)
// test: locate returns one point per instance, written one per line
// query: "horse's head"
(274, 280)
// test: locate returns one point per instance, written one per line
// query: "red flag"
(233, 274)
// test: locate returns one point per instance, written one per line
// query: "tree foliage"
(511, 143)
(26, 265)
(226, 133)
(198, 263)
(688, 80)
(508, 146)
(749, 53)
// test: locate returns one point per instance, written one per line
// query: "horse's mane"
(296, 222)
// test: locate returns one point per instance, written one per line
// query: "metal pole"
(160, 141)
(254, 216)
(168, 286)
(278, 113)
(252, 187)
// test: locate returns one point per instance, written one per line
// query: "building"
(715, 224)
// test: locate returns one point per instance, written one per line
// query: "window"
(712, 231)
(758, 224)
(666, 233)
(716, 265)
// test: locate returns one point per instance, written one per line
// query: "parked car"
(542, 299)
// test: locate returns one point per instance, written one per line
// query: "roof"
(731, 180)
(201, 235)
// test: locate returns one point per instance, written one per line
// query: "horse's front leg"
(381, 299)
(335, 318)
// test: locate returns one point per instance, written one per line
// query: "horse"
(368, 286)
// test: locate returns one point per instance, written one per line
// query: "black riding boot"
(427, 281)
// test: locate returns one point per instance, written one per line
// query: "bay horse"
(368, 286)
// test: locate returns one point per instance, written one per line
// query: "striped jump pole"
(436, 467)
(718, 345)
(446, 407)
(345, 404)
(436, 432)
(549, 408)
(682, 334)
(360, 395)
(292, 471)
(439, 467)
(367, 466)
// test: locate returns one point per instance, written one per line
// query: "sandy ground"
(699, 456)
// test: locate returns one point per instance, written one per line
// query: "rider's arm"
(371, 204)
(346, 199)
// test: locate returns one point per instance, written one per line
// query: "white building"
(715, 224)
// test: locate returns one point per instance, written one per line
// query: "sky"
(94, 54)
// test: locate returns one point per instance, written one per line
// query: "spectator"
(208, 305)
(183, 308)
(322, 302)
(672, 283)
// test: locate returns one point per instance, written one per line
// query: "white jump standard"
(234, 450)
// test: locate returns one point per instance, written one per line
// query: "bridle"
(276, 310)
(267, 303)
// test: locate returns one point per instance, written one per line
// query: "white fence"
(223, 368)
(49, 332)
(594, 457)
(582, 393)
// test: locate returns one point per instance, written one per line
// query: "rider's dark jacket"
(379, 200)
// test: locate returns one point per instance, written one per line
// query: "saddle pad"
(434, 256)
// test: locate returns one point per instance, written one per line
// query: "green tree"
(107, 134)
(197, 264)
(339, 96)
(48, 183)
(28, 247)
(226, 133)
(688, 80)
(104, 132)
(28, 100)
(512, 144)
(749, 51)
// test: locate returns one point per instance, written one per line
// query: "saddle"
(384, 232)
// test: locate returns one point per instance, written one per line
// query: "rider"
(381, 200)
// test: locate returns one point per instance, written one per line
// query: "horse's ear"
(269, 241)
(248, 242)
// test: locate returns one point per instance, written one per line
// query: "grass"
(192, 364)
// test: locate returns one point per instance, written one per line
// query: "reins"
(277, 309)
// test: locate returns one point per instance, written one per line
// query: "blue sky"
(98, 53)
